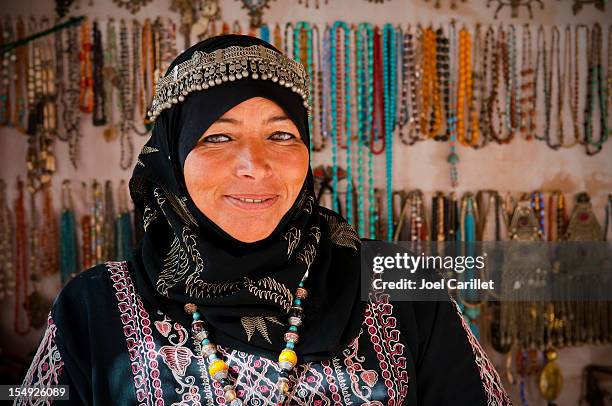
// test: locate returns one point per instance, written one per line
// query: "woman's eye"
(216, 138)
(282, 136)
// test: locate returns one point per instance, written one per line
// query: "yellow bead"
(217, 366)
(287, 355)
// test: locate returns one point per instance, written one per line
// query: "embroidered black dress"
(112, 347)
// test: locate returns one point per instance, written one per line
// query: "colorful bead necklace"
(218, 368)
(390, 96)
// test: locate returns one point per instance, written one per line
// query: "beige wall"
(518, 167)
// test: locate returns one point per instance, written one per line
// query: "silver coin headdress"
(204, 70)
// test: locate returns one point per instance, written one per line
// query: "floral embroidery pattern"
(137, 331)
(496, 395)
(45, 369)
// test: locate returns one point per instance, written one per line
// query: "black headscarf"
(244, 289)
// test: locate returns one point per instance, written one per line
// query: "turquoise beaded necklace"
(68, 237)
(362, 117)
(297, 33)
(390, 96)
(453, 157)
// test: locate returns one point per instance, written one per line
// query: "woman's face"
(247, 169)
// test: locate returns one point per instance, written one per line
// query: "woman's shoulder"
(90, 287)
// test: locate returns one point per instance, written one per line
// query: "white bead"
(255, 76)
(181, 98)
(224, 78)
(199, 87)
(218, 81)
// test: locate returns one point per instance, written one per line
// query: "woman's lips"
(252, 201)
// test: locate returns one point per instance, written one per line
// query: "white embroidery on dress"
(45, 369)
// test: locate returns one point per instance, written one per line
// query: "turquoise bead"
(205, 341)
(196, 315)
(290, 345)
(293, 328)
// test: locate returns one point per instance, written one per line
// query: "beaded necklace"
(500, 78)
(22, 269)
(378, 96)
(21, 68)
(68, 239)
(574, 85)
(528, 90)
(86, 235)
(548, 88)
(49, 237)
(451, 118)
(565, 82)
(8, 72)
(333, 124)
(7, 246)
(478, 138)
(466, 113)
(349, 44)
(541, 61)
(390, 94)
(318, 94)
(99, 118)
(126, 99)
(443, 73)
(86, 95)
(97, 222)
(368, 124)
(407, 58)
(595, 90)
(218, 368)
(512, 88)
(304, 34)
(111, 79)
(364, 109)
(71, 114)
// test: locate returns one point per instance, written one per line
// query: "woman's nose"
(252, 161)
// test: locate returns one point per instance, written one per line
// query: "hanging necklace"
(49, 238)
(218, 368)
(86, 234)
(390, 92)
(595, 92)
(68, 238)
(22, 270)
(7, 246)
(99, 118)
(528, 112)
(443, 73)
(111, 79)
(126, 99)
(540, 70)
(451, 123)
(548, 88)
(86, 96)
(574, 80)
(362, 85)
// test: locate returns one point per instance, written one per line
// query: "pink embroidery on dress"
(139, 338)
(381, 325)
(45, 369)
(496, 395)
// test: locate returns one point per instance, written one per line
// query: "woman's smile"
(252, 201)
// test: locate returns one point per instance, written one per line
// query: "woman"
(242, 290)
